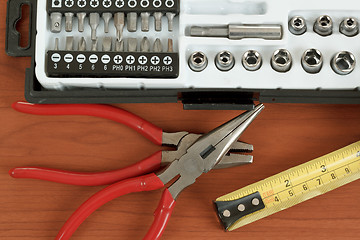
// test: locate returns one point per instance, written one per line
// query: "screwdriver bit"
(107, 44)
(132, 22)
(158, 21)
(119, 46)
(81, 20)
(56, 19)
(119, 22)
(145, 45)
(56, 48)
(240, 31)
(170, 16)
(82, 44)
(170, 45)
(157, 46)
(145, 21)
(94, 23)
(107, 17)
(94, 45)
(69, 46)
(132, 44)
(69, 21)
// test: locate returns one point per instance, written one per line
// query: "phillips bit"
(158, 21)
(170, 45)
(170, 16)
(119, 22)
(107, 44)
(145, 45)
(56, 48)
(157, 46)
(69, 21)
(69, 46)
(132, 22)
(145, 21)
(94, 23)
(81, 20)
(132, 44)
(107, 17)
(119, 46)
(56, 19)
(82, 44)
(94, 45)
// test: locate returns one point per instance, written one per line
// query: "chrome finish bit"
(157, 46)
(145, 21)
(107, 17)
(56, 47)
(132, 21)
(158, 21)
(94, 45)
(145, 45)
(119, 22)
(119, 46)
(81, 21)
(170, 45)
(82, 44)
(56, 19)
(170, 16)
(69, 46)
(69, 21)
(132, 44)
(94, 23)
(107, 44)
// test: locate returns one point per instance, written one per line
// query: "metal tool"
(225, 61)
(158, 21)
(56, 46)
(170, 45)
(94, 45)
(69, 45)
(343, 63)
(145, 45)
(252, 60)
(81, 21)
(145, 16)
(119, 22)
(312, 61)
(107, 17)
(281, 60)
(297, 25)
(198, 61)
(349, 27)
(94, 23)
(170, 16)
(82, 44)
(240, 31)
(119, 45)
(323, 26)
(132, 44)
(194, 155)
(69, 21)
(131, 21)
(107, 44)
(158, 47)
(56, 19)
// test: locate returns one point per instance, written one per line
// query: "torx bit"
(170, 45)
(145, 45)
(82, 44)
(94, 45)
(56, 47)
(170, 16)
(69, 46)
(238, 32)
(119, 46)
(81, 21)
(145, 21)
(56, 19)
(132, 44)
(132, 21)
(157, 46)
(69, 21)
(94, 23)
(107, 44)
(158, 21)
(119, 22)
(107, 17)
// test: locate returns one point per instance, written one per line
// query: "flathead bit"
(119, 46)
(107, 44)
(107, 17)
(56, 19)
(158, 21)
(157, 46)
(56, 47)
(132, 22)
(82, 44)
(81, 21)
(145, 21)
(170, 16)
(94, 45)
(69, 21)
(145, 45)
(132, 44)
(170, 45)
(119, 22)
(94, 23)
(69, 46)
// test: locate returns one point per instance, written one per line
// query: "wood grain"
(284, 136)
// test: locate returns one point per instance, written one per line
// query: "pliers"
(195, 154)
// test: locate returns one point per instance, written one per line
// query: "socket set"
(197, 45)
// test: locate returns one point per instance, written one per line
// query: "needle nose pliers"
(195, 154)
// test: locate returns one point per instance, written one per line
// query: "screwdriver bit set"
(257, 50)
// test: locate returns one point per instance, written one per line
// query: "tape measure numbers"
(289, 188)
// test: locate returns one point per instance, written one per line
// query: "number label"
(323, 168)
(287, 183)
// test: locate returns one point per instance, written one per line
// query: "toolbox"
(208, 54)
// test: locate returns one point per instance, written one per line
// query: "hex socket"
(198, 61)
(312, 61)
(343, 63)
(297, 25)
(281, 60)
(224, 61)
(323, 26)
(349, 27)
(252, 60)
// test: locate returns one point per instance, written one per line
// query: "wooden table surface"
(284, 135)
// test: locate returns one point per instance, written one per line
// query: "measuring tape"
(289, 188)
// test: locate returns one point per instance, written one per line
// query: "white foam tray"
(215, 12)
